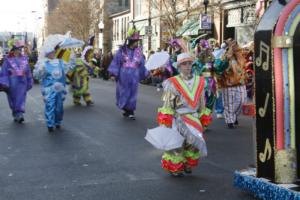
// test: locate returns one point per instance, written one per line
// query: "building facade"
(239, 20)
(108, 9)
(49, 6)
(153, 22)
(226, 19)
(120, 25)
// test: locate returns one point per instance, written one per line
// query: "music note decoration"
(262, 111)
(263, 48)
(266, 155)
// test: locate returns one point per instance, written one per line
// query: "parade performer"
(79, 77)
(51, 73)
(16, 79)
(248, 50)
(182, 110)
(178, 46)
(87, 57)
(232, 82)
(204, 66)
(128, 68)
(219, 108)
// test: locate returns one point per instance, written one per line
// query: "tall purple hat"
(204, 44)
(174, 42)
(178, 43)
(133, 34)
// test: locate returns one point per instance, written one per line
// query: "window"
(117, 31)
(126, 3)
(122, 29)
(114, 30)
(138, 7)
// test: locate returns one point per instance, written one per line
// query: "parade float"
(277, 97)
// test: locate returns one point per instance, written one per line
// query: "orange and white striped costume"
(182, 110)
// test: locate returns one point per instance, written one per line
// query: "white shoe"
(219, 116)
(132, 117)
(157, 89)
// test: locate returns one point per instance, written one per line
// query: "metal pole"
(149, 28)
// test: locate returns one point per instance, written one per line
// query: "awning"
(191, 27)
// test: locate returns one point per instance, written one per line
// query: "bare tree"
(173, 13)
(76, 16)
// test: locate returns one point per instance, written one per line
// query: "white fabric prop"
(164, 138)
(157, 60)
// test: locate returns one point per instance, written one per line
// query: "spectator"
(106, 60)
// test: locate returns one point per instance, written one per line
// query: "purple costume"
(128, 67)
(16, 77)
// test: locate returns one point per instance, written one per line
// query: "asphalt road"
(100, 155)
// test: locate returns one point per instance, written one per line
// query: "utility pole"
(149, 29)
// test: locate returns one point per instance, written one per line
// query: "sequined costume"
(52, 77)
(16, 78)
(204, 66)
(182, 110)
(128, 66)
(79, 80)
(232, 83)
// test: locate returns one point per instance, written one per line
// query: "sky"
(20, 15)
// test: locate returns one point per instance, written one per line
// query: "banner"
(205, 22)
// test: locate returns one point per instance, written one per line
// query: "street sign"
(205, 22)
(148, 30)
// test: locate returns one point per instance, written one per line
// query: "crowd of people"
(196, 81)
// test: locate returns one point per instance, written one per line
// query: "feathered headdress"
(178, 43)
(87, 51)
(91, 41)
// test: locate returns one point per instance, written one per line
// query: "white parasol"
(164, 138)
(71, 43)
(52, 43)
(157, 60)
(56, 40)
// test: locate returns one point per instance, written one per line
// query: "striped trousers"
(233, 100)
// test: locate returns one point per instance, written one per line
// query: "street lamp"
(101, 27)
(205, 2)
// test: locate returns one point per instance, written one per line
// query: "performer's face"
(134, 44)
(51, 55)
(186, 68)
(17, 52)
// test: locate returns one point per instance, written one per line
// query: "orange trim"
(193, 123)
(191, 102)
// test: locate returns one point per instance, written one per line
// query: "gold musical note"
(268, 151)
(262, 111)
(263, 48)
